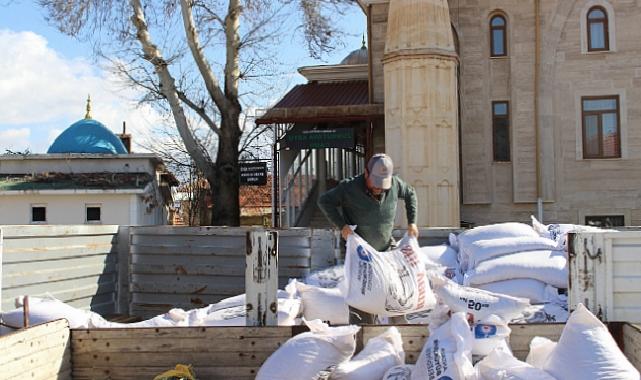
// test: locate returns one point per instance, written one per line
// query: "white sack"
(442, 257)
(6, 330)
(489, 334)
(227, 312)
(289, 292)
(47, 309)
(172, 318)
(492, 231)
(447, 352)
(586, 351)
(544, 313)
(452, 239)
(386, 283)
(326, 278)
(501, 365)
(326, 304)
(483, 250)
(534, 290)
(288, 310)
(540, 350)
(559, 231)
(550, 267)
(379, 355)
(305, 355)
(477, 302)
(401, 372)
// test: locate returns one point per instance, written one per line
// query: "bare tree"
(165, 142)
(196, 60)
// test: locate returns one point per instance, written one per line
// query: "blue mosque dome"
(87, 136)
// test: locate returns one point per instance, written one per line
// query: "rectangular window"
(601, 127)
(38, 213)
(501, 131)
(605, 220)
(93, 213)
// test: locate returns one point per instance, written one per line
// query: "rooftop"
(67, 181)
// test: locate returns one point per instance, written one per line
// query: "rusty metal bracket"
(597, 255)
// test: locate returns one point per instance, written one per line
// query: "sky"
(47, 76)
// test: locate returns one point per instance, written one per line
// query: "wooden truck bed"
(52, 351)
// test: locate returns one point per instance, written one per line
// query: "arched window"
(498, 36)
(598, 34)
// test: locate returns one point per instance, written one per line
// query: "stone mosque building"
(493, 110)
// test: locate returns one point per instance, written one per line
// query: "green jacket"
(349, 203)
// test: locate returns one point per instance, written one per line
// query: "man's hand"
(346, 231)
(412, 230)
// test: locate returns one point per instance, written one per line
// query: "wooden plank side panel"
(214, 352)
(414, 338)
(191, 267)
(225, 352)
(632, 344)
(32, 253)
(324, 245)
(149, 372)
(522, 335)
(40, 352)
(57, 270)
(27, 231)
(68, 262)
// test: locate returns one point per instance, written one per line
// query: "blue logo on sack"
(363, 254)
(445, 378)
(484, 331)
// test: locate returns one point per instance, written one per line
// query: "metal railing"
(301, 179)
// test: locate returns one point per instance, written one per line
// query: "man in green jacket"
(369, 201)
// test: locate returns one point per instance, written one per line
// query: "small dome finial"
(364, 46)
(88, 114)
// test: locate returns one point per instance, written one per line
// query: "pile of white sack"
(228, 312)
(585, 351)
(515, 260)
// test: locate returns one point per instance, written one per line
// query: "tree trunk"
(225, 187)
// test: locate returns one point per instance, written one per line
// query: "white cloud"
(45, 92)
(15, 139)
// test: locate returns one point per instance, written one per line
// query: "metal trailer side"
(605, 274)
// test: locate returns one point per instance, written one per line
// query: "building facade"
(549, 106)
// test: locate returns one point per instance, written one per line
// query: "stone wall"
(572, 187)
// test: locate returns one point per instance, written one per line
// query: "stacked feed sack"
(515, 260)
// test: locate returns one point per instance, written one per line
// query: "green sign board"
(321, 138)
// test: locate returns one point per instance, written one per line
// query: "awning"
(323, 102)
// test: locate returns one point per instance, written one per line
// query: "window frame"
(586, 219)
(93, 205)
(599, 113)
(503, 28)
(606, 28)
(34, 205)
(495, 118)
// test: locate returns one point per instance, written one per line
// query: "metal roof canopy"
(324, 102)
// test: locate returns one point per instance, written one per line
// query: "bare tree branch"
(211, 83)
(168, 89)
(200, 111)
